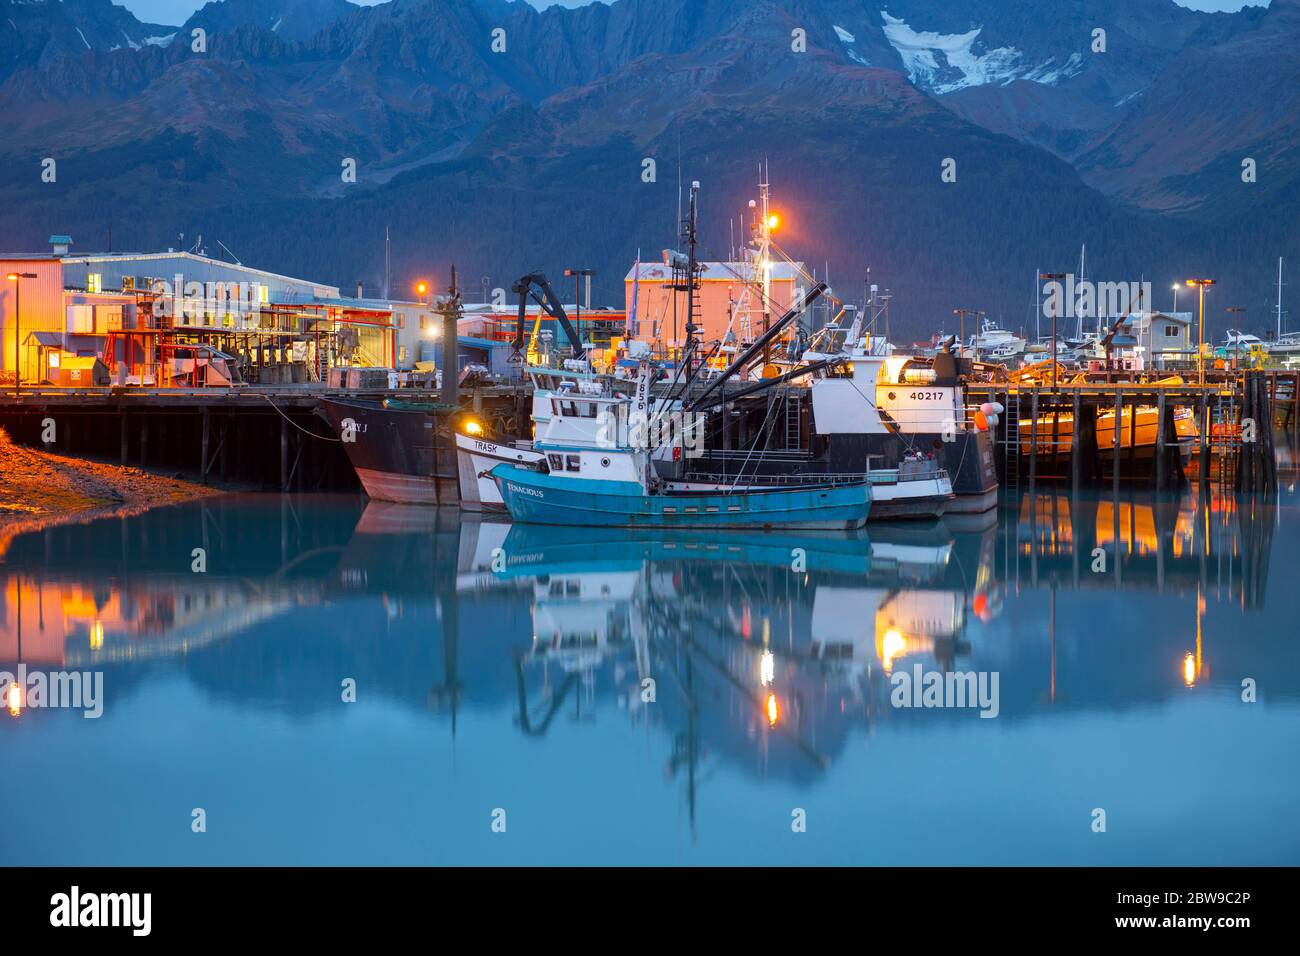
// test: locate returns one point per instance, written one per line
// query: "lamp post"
(1176, 286)
(1200, 335)
(1053, 277)
(16, 278)
(1234, 311)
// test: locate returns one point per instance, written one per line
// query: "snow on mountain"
(947, 62)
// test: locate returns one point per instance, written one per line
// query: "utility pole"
(449, 307)
(1055, 277)
(1200, 337)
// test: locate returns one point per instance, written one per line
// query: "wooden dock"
(266, 436)
(1235, 417)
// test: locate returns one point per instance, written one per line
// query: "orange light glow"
(421, 288)
(773, 221)
(892, 645)
(773, 712)
(1189, 669)
(14, 698)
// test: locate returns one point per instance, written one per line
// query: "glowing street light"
(1176, 286)
(1200, 336)
(773, 221)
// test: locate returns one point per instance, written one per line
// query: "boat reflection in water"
(656, 692)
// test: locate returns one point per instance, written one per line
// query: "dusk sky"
(175, 11)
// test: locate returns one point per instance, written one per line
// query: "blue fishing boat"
(534, 497)
(598, 473)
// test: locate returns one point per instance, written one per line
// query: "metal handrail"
(876, 476)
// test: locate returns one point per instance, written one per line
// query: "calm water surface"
(501, 668)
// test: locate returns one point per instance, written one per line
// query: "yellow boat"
(1056, 431)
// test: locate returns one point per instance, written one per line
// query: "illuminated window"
(264, 294)
(94, 282)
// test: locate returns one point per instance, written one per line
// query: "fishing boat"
(400, 449)
(1138, 437)
(610, 482)
(896, 419)
(993, 338)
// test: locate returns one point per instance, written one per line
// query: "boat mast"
(1279, 298)
(692, 283)
(764, 241)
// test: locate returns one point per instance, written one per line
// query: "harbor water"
(326, 680)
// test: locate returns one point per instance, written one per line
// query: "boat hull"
(475, 457)
(1056, 434)
(909, 499)
(537, 498)
(394, 451)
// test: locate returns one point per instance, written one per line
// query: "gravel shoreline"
(38, 488)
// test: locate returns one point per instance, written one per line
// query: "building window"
(94, 282)
(1171, 332)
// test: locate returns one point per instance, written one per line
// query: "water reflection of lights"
(892, 645)
(773, 710)
(97, 635)
(1189, 669)
(767, 668)
(14, 699)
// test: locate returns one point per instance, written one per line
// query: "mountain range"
(534, 156)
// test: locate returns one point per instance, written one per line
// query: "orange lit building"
(729, 299)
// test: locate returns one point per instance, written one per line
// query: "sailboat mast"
(1078, 318)
(1279, 297)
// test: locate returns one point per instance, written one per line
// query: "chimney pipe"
(360, 290)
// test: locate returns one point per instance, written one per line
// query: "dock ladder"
(1011, 441)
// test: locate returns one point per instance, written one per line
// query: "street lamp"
(1053, 277)
(1200, 335)
(1176, 286)
(1234, 311)
(15, 278)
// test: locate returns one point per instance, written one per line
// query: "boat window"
(556, 462)
(575, 463)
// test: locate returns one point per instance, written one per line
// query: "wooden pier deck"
(1235, 414)
(262, 435)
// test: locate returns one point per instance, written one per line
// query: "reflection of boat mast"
(449, 613)
(1051, 624)
(525, 719)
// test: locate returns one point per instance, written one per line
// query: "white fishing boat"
(992, 338)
